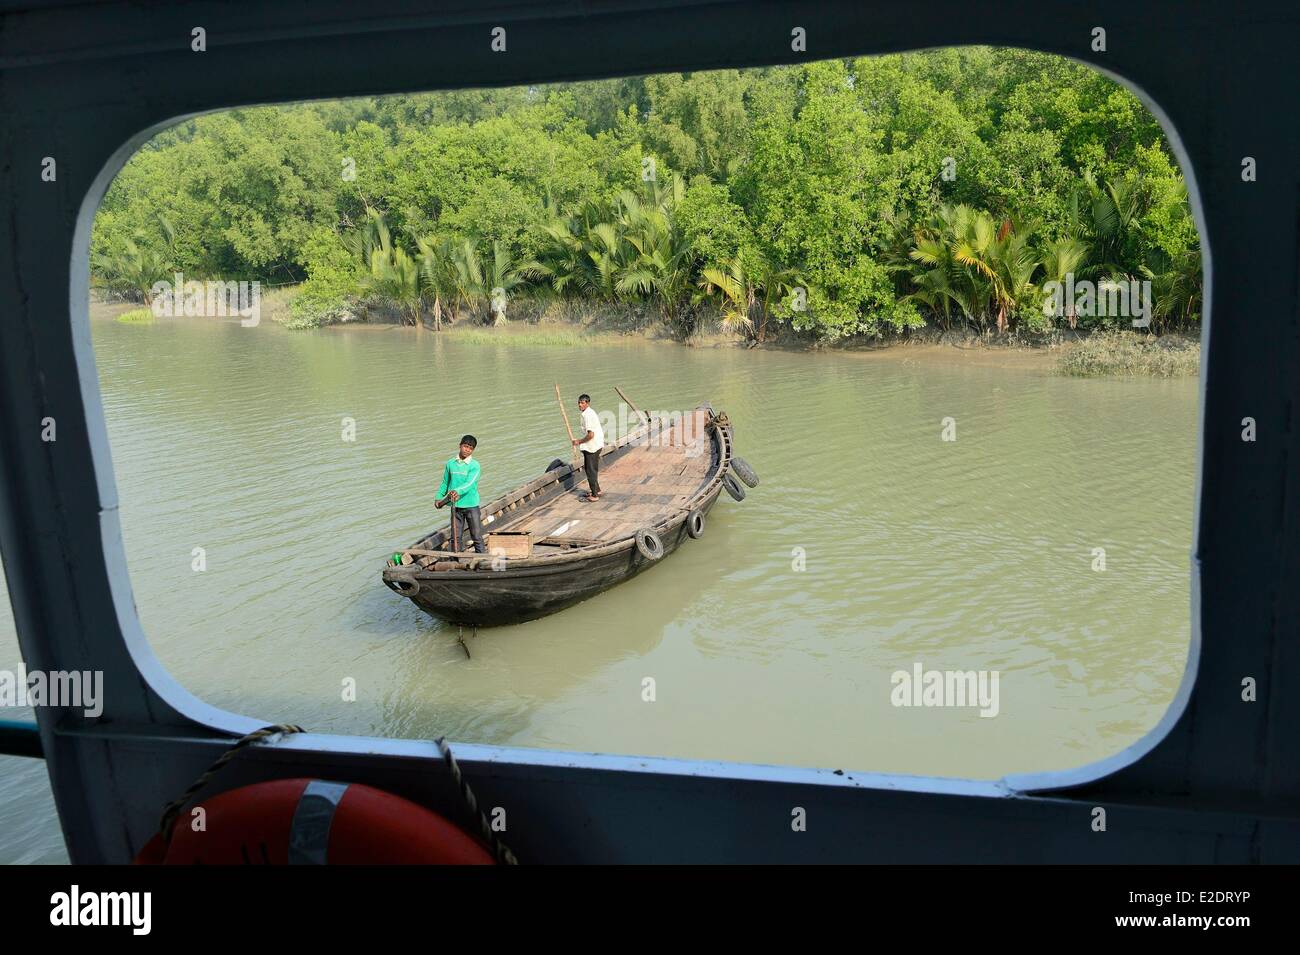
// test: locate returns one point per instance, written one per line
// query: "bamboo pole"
(450, 504)
(628, 402)
(573, 448)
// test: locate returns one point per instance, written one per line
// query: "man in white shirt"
(590, 444)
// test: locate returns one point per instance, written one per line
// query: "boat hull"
(653, 479)
(497, 598)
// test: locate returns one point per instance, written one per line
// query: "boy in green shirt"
(460, 489)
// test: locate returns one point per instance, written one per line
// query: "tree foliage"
(948, 185)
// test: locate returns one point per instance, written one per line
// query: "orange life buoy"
(313, 822)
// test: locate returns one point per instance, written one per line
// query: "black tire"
(649, 544)
(744, 471)
(734, 487)
(695, 525)
(406, 586)
(557, 463)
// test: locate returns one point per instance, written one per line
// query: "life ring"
(734, 487)
(406, 586)
(649, 544)
(744, 471)
(313, 822)
(695, 524)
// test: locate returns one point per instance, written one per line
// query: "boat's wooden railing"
(573, 543)
(420, 552)
(570, 543)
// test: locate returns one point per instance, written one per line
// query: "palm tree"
(389, 274)
(969, 261)
(1014, 263)
(483, 284)
(625, 248)
(630, 248)
(661, 262)
(584, 253)
(131, 269)
(372, 234)
(467, 272)
(945, 248)
(1177, 288)
(661, 269)
(932, 275)
(1106, 217)
(503, 276)
(1177, 283)
(607, 253)
(1061, 259)
(394, 278)
(437, 274)
(974, 239)
(739, 295)
(563, 256)
(136, 263)
(747, 294)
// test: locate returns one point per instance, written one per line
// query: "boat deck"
(638, 489)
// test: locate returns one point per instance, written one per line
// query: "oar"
(573, 448)
(628, 402)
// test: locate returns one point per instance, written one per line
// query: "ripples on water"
(973, 554)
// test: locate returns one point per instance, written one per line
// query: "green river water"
(870, 546)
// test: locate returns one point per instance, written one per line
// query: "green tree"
(821, 199)
(749, 286)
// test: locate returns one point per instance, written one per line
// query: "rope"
(165, 825)
(719, 420)
(503, 855)
(176, 805)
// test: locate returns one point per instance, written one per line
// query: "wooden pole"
(628, 402)
(573, 448)
(448, 502)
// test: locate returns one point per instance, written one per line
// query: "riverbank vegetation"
(1125, 354)
(826, 203)
(137, 316)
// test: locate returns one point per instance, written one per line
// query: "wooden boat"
(658, 483)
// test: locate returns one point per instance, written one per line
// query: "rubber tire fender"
(412, 585)
(744, 471)
(649, 544)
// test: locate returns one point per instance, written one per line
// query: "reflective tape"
(309, 836)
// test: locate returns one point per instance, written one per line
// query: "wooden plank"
(644, 485)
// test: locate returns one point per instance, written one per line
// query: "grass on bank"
(1129, 354)
(137, 316)
(547, 338)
